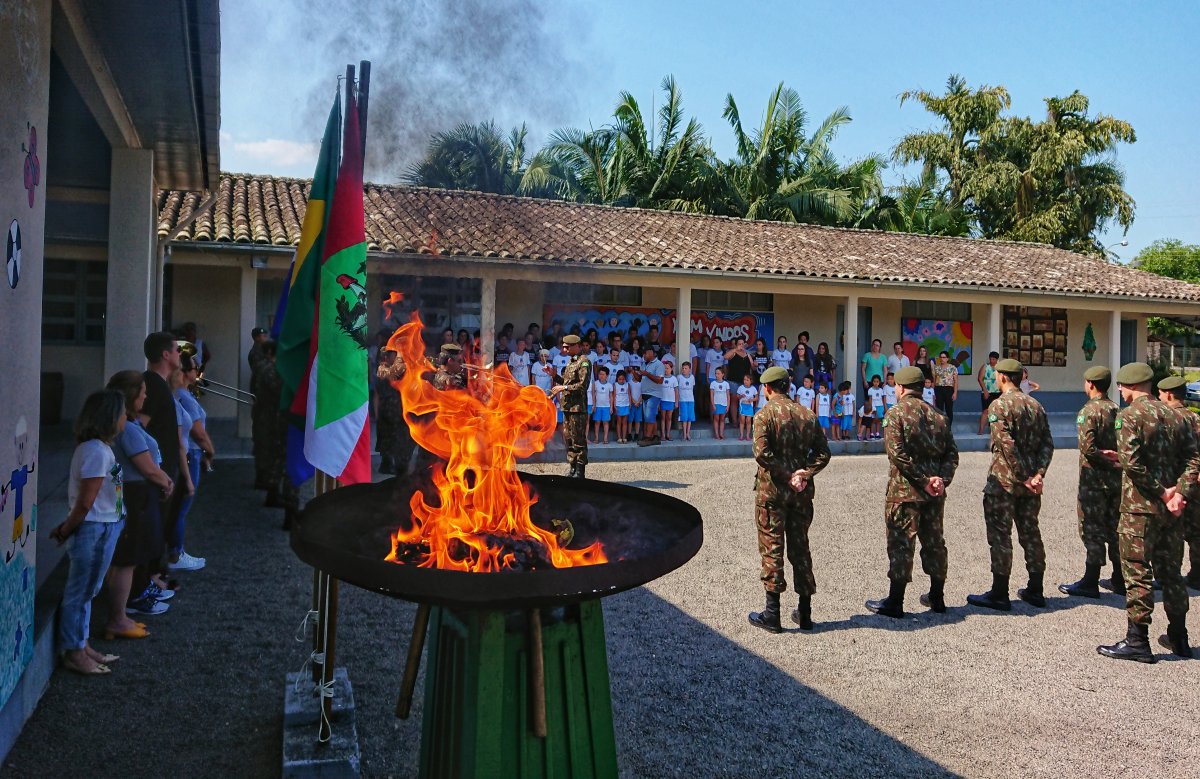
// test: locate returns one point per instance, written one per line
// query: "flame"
(482, 514)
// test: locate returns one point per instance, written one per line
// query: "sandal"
(98, 670)
(137, 631)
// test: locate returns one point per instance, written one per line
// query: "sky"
(563, 64)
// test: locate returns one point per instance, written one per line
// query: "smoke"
(436, 63)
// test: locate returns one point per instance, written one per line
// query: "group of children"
(617, 402)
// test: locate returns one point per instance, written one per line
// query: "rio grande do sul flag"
(336, 429)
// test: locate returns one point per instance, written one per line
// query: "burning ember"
(481, 522)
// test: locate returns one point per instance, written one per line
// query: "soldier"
(1155, 446)
(260, 414)
(573, 384)
(922, 457)
(450, 371)
(392, 439)
(281, 493)
(1021, 452)
(790, 450)
(1099, 496)
(1171, 391)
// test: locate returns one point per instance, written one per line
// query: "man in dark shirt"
(162, 356)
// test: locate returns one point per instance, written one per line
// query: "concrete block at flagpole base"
(303, 756)
(302, 706)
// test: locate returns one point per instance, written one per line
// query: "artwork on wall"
(938, 335)
(12, 255)
(18, 516)
(1035, 335)
(629, 321)
(33, 166)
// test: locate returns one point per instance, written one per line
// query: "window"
(594, 294)
(936, 309)
(74, 300)
(725, 300)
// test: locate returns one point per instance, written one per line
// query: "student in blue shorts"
(669, 396)
(687, 399)
(824, 404)
(847, 410)
(602, 401)
(747, 394)
(621, 406)
(718, 390)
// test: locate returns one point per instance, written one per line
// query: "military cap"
(909, 376)
(772, 375)
(1134, 373)
(1097, 373)
(1009, 365)
(451, 348)
(256, 332)
(1172, 383)
(570, 340)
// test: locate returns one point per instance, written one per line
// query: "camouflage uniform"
(919, 446)
(444, 380)
(392, 439)
(1021, 447)
(262, 413)
(1099, 495)
(1191, 512)
(787, 438)
(576, 378)
(1156, 445)
(269, 387)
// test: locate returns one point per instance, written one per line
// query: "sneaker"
(146, 605)
(186, 563)
(158, 593)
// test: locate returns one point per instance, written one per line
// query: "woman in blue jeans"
(199, 448)
(91, 529)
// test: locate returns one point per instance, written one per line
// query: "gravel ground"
(697, 691)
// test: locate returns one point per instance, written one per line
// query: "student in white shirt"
(781, 357)
(846, 409)
(622, 401)
(602, 403)
(927, 393)
(876, 405)
(714, 359)
(889, 393)
(824, 406)
(668, 399)
(806, 396)
(542, 371)
(687, 400)
(747, 394)
(635, 407)
(519, 363)
(718, 390)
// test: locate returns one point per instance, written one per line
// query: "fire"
(482, 521)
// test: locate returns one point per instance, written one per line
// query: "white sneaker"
(186, 563)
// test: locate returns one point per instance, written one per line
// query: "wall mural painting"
(18, 515)
(12, 255)
(938, 335)
(33, 166)
(630, 320)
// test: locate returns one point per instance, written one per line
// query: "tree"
(921, 206)
(479, 157)
(1174, 259)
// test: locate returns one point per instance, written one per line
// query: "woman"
(636, 359)
(91, 529)
(1028, 385)
(177, 559)
(146, 484)
(824, 367)
(199, 449)
(391, 433)
(802, 362)
(761, 357)
(468, 346)
(924, 363)
(945, 385)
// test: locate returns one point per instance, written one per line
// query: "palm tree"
(921, 206)
(479, 157)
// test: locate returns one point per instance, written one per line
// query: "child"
(889, 393)
(927, 394)
(718, 390)
(519, 363)
(866, 421)
(667, 399)
(762, 399)
(792, 388)
(602, 400)
(806, 396)
(822, 404)
(543, 372)
(687, 400)
(621, 406)
(875, 403)
(747, 393)
(635, 407)
(846, 410)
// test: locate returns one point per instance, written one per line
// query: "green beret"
(1009, 365)
(910, 376)
(772, 375)
(1097, 373)
(570, 340)
(451, 348)
(1134, 373)
(1172, 383)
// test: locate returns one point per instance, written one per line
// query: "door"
(1128, 342)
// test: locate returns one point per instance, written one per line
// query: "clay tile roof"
(259, 209)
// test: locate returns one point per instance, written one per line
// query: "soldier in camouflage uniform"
(1099, 496)
(1156, 446)
(1021, 452)
(1172, 391)
(260, 413)
(923, 457)
(450, 372)
(281, 493)
(790, 450)
(573, 385)
(392, 439)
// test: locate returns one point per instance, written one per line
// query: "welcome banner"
(630, 321)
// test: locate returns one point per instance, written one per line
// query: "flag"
(337, 434)
(294, 320)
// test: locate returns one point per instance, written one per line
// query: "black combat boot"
(891, 606)
(573, 472)
(289, 518)
(768, 618)
(995, 598)
(1135, 646)
(1087, 587)
(802, 616)
(581, 472)
(387, 464)
(1032, 592)
(935, 599)
(273, 501)
(1176, 638)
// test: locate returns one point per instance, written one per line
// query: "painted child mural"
(18, 512)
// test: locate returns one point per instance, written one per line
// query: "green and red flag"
(336, 428)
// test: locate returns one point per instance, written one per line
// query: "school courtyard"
(697, 692)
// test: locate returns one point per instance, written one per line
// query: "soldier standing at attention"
(1099, 497)
(1171, 391)
(573, 385)
(790, 450)
(261, 416)
(1021, 452)
(450, 373)
(1155, 446)
(923, 457)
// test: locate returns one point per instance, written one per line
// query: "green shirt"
(989, 380)
(875, 365)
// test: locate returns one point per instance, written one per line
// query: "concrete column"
(247, 320)
(683, 327)
(132, 310)
(994, 310)
(1114, 351)
(849, 368)
(487, 318)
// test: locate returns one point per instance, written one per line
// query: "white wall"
(209, 296)
(82, 368)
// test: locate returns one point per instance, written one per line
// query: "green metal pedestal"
(479, 700)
